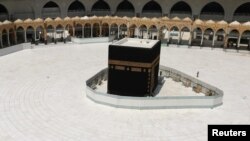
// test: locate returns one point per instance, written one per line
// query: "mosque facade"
(221, 23)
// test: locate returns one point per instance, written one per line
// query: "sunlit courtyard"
(42, 96)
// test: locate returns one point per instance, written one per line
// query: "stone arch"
(233, 38)
(114, 30)
(96, 30)
(101, 8)
(125, 8)
(208, 37)
(105, 30)
(69, 31)
(20, 35)
(152, 9)
(181, 9)
(185, 28)
(143, 31)
(50, 33)
(40, 33)
(184, 36)
(174, 28)
(245, 40)
(219, 38)
(164, 34)
(79, 30)
(153, 32)
(174, 35)
(242, 13)
(87, 30)
(197, 36)
(208, 31)
(212, 10)
(30, 36)
(59, 34)
(4, 13)
(133, 31)
(59, 27)
(76, 8)
(5, 38)
(123, 30)
(30, 25)
(51, 9)
(12, 36)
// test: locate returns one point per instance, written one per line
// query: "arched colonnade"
(170, 31)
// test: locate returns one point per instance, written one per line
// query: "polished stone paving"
(42, 96)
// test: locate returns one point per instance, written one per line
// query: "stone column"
(73, 28)
(25, 36)
(8, 37)
(109, 30)
(45, 35)
(55, 37)
(82, 31)
(118, 32)
(15, 36)
(202, 38)
(248, 44)
(168, 37)
(128, 32)
(138, 32)
(179, 38)
(35, 34)
(238, 43)
(100, 28)
(225, 41)
(64, 36)
(91, 31)
(54, 33)
(1, 42)
(147, 32)
(213, 39)
(190, 38)
(158, 34)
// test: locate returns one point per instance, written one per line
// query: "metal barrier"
(212, 99)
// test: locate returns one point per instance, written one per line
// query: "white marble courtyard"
(42, 96)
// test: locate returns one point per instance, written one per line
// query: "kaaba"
(133, 66)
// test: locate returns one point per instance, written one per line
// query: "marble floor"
(42, 96)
